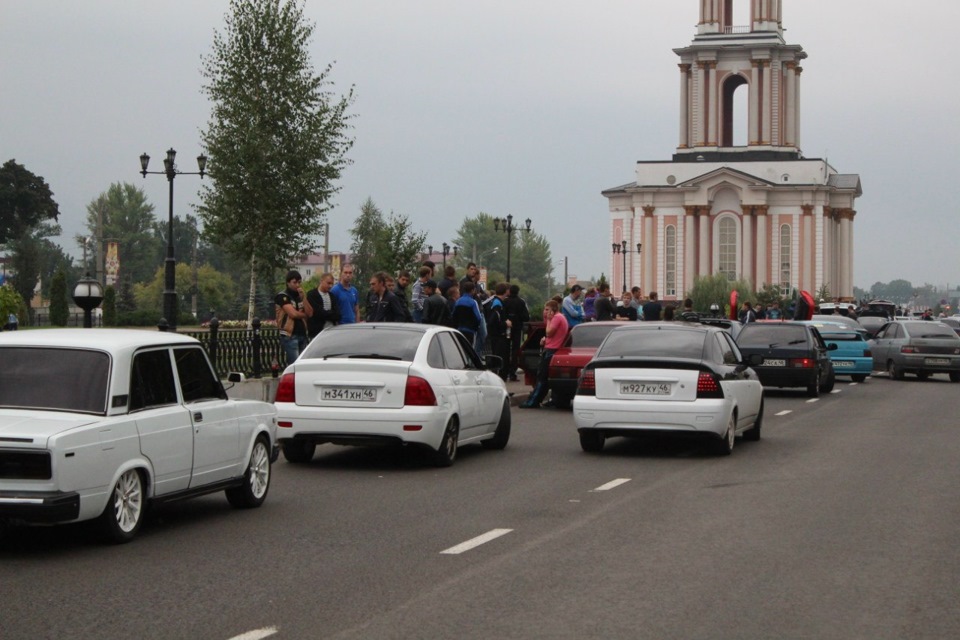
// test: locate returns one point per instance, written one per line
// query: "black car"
(794, 355)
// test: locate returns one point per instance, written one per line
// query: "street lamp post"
(622, 248)
(445, 250)
(506, 225)
(88, 294)
(169, 321)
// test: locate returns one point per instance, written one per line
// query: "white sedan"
(391, 383)
(96, 423)
(668, 377)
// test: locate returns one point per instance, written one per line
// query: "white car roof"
(101, 339)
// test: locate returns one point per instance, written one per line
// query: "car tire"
(126, 505)
(827, 386)
(591, 440)
(502, 435)
(955, 376)
(753, 434)
(724, 446)
(858, 378)
(896, 373)
(561, 400)
(447, 453)
(256, 479)
(813, 390)
(298, 451)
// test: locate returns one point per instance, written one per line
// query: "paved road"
(840, 523)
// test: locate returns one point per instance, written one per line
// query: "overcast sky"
(523, 107)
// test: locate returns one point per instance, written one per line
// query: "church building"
(753, 208)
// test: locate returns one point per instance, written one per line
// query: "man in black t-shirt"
(292, 315)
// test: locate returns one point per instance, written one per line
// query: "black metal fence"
(254, 352)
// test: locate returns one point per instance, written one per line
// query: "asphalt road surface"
(840, 523)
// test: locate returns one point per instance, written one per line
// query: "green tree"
(277, 137)
(383, 243)
(10, 302)
(122, 214)
(25, 201)
(215, 290)
(110, 307)
(716, 289)
(34, 259)
(366, 241)
(59, 307)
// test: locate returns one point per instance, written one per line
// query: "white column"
(828, 250)
(766, 110)
(704, 221)
(796, 107)
(650, 241)
(846, 237)
(684, 106)
(714, 108)
(700, 111)
(748, 245)
(753, 110)
(790, 135)
(689, 248)
(762, 247)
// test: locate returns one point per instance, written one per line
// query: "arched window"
(728, 247)
(670, 269)
(786, 258)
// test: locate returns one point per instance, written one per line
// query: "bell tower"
(724, 59)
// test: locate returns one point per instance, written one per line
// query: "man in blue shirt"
(348, 298)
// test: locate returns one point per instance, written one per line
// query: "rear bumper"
(408, 425)
(40, 506)
(564, 386)
(625, 416)
(922, 363)
(852, 366)
(786, 377)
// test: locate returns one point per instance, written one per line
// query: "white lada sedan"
(669, 377)
(96, 423)
(391, 383)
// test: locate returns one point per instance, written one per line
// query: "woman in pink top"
(557, 330)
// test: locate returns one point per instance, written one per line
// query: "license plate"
(645, 388)
(774, 363)
(842, 363)
(350, 394)
(936, 361)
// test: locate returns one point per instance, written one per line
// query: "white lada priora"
(391, 383)
(96, 423)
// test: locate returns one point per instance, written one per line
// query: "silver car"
(921, 347)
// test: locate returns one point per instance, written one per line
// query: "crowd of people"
(463, 304)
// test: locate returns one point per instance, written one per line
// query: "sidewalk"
(518, 391)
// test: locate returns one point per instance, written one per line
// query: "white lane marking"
(853, 384)
(256, 634)
(783, 413)
(612, 484)
(836, 391)
(476, 542)
(812, 400)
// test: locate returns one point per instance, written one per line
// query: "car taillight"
(803, 363)
(587, 385)
(908, 349)
(419, 393)
(868, 354)
(287, 389)
(708, 386)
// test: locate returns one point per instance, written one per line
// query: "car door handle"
(197, 416)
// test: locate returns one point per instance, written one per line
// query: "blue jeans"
(293, 346)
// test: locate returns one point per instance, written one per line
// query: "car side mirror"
(755, 359)
(833, 346)
(233, 377)
(493, 363)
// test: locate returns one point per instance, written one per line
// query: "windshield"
(54, 378)
(662, 343)
(927, 329)
(771, 335)
(382, 343)
(590, 335)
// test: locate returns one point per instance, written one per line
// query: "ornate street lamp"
(445, 250)
(88, 294)
(506, 225)
(169, 321)
(622, 248)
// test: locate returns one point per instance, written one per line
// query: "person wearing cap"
(572, 307)
(435, 308)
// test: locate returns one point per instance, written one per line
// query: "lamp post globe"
(88, 294)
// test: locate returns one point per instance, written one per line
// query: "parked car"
(872, 324)
(852, 356)
(794, 355)
(668, 377)
(836, 318)
(391, 384)
(96, 424)
(579, 348)
(953, 323)
(730, 326)
(920, 347)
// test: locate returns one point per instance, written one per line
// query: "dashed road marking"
(256, 634)
(785, 412)
(612, 484)
(476, 542)
(836, 391)
(812, 400)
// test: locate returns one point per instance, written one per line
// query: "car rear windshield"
(658, 343)
(384, 343)
(52, 378)
(841, 336)
(591, 335)
(927, 329)
(771, 335)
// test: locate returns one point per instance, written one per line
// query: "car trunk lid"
(351, 383)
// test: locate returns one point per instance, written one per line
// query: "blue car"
(852, 357)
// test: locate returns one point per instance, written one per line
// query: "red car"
(578, 349)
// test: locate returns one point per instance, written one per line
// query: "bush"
(110, 307)
(59, 309)
(137, 319)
